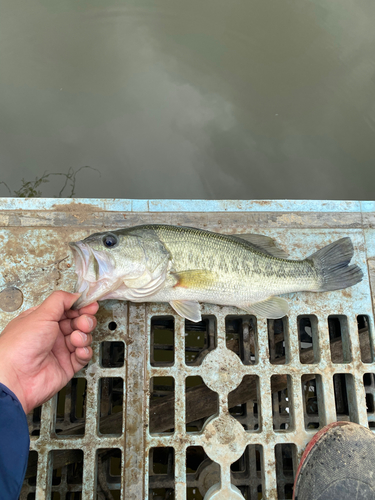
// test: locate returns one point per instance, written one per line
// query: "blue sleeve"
(14, 444)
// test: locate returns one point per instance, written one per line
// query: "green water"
(190, 99)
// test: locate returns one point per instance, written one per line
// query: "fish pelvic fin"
(196, 278)
(188, 309)
(332, 265)
(272, 308)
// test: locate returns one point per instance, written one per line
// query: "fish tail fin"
(332, 266)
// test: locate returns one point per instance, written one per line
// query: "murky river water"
(190, 99)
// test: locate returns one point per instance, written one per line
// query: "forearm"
(14, 444)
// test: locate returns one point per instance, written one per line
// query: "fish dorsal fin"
(272, 308)
(263, 243)
(188, 309)
(195, 278)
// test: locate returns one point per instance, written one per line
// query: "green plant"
(31, 189)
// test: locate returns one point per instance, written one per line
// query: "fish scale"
(235, 262)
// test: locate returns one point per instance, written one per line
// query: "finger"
(80, 339)
(90, 309)
(54, 307)
(68, 342)
(77, 339)
(86, 323)
(71, 314)
(80, 357)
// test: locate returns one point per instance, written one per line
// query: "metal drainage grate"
(169, 409)
(177, 434)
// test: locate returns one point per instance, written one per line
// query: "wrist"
(12, 384)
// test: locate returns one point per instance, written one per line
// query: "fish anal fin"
(264, 244)
(195, 278)
(272, 308)
(188, 309)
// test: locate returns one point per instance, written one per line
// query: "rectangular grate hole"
(73, 496)
(247, 472)
(308, 339)
(201, 473)
(33, 420)
(241, 337)
(364, 333)
(67, 473)
(112, 354)
(282, 402)
(200, 338)
(201, 403)
(71, 407)
(370, 403)
(244, 403)
(339, 339)
(369, 383)
(286, 456)
(312, 400)
(345, 397)
(193, 494)
(162, 341)
(111, 397)
(278, 340)
(29, 484)
(161, 473)
(108, 474)
(162, 399)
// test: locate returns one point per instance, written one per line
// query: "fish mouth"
(95, 274)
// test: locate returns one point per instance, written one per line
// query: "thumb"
(28, 311)
(54, 306)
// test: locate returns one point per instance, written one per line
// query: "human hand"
(44, 347)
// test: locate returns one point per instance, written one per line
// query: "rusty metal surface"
(265, 388)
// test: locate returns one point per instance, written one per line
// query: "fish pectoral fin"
(272, 308)
(188, 309)
(195, 278)
(147, 290)
(139, 282)
(264, 244)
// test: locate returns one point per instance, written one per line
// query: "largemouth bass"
(186, 266)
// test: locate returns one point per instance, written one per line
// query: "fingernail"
(87, 351)
(90, 322)
(84, 336)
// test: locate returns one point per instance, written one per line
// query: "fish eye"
(110, 241)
